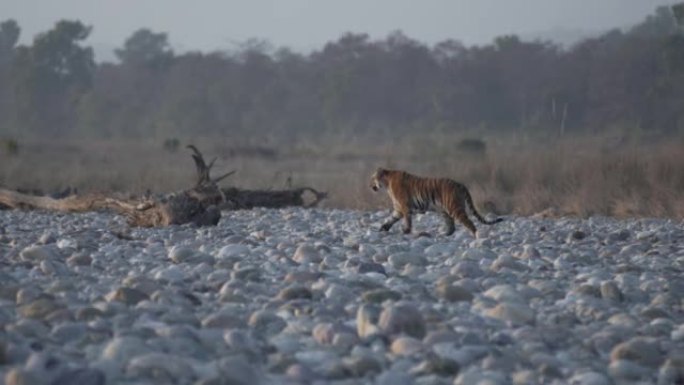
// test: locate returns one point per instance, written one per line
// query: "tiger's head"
(379, 179)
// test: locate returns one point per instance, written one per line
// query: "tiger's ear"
(380, 171)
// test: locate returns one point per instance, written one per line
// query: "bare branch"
(224, 176)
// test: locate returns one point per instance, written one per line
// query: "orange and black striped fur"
(410, 193)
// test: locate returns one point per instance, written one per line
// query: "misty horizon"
(304, 26)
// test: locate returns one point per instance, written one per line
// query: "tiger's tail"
(469, 202)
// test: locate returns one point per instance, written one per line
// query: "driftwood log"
(200, 205)
(247, 199)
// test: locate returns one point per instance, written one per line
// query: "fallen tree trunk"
(200, 205)
(248, 199)
(177, 208)
(17, 200)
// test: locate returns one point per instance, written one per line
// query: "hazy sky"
(307, 24)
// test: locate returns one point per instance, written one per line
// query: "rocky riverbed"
(299, 296)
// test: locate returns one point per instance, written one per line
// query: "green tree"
(146, 48)
(678, 13)
(51, 76)
(9, 35)
(662, 23)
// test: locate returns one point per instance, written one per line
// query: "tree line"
(622, 79)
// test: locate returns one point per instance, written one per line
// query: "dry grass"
(581, 176)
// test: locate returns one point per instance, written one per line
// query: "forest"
(627, 80)
(592, 128)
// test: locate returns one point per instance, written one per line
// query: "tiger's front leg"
(396, 216)
(407, 223)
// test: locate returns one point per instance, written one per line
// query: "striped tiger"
(411, 193)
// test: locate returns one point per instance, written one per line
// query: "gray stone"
(295, 292)
(643, 351)
(306, 253)
(123, 348)
(479, 253)
(453, 293)
(127, 296)
(589, 378)
(672, 371)
(45, 365)
(436, 364)
(173, 274)
(367, 317)
(440, 336)
(266, 323)
(610, 291)
(246, 273)
(626, 370)
(525, 377)
(53, 268)
(18, 376)
(88, 313)
(477, 377)
(402, 318)
(467, 269)
(79, 259)
(141, 283)
(81, 376)
(507, 262)
(393, 377)
(406, 346)
(69, 332)
(504, 293)
(161, 368)
(181, 254)
(380, 295)
(516, 313)
(362, 365)
(29, 328)
(301, 374)
(324, 333)
(38, 253)
(40, 308)
(370, 267)
(232, 251)
(399, 260)
(224, 319)
(302, 276)
(344, 340)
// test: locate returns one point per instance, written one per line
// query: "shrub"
(171, 144)
(10, 146)
(472, 146)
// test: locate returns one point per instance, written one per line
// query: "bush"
(472, 146)
(171, 144)
(10, 146)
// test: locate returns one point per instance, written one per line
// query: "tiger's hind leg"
(462, 217)
(449, 226)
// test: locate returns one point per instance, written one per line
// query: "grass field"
(579, 176)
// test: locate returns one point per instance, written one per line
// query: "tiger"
(411, 193)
